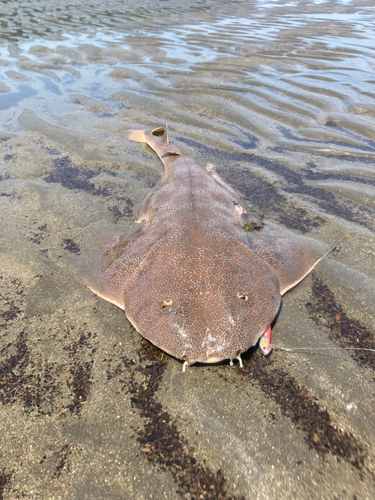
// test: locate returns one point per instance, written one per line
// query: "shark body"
(191, 280)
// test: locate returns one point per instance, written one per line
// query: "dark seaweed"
(270, 202)
(303, 409)
(4, 480)
(340, 177)
(163, 444)
(344, 331)
(105, 115)
(38, 236)
(72, 177)
(52, 151)
(15, 381)
(160, 440)
(12, 307)
(25, 379)
(70, 245)
(288, 134)
(118, 214)
(63, 458)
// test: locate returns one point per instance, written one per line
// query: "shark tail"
(142, 136)
(136, 135)
(157, 139)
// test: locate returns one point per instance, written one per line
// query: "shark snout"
(213, 345)
(213, 333)
(212, 348)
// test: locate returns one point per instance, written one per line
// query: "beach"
(280, 97)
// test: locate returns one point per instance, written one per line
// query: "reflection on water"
(298, 77)
(13, 98)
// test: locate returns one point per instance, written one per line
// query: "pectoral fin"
(106, 260)
(293, 257)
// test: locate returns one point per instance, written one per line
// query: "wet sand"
(280, 98)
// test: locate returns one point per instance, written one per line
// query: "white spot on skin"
(220, 348)
(231, 321)
(182, 332)
(211, 339)
(180, 329)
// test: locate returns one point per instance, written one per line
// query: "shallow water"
(281, 98)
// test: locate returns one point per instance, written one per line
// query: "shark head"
(203, 304)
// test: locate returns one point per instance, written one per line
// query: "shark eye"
(166, 303)
(243, 295)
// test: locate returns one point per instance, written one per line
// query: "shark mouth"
(265, 347)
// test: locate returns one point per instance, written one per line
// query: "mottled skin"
(191, 280)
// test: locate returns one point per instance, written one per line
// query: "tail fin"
(140, 135)
(136, 135)
(157, 139)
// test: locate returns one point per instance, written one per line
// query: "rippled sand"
(281, 98)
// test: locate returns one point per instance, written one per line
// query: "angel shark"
(191, 279)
